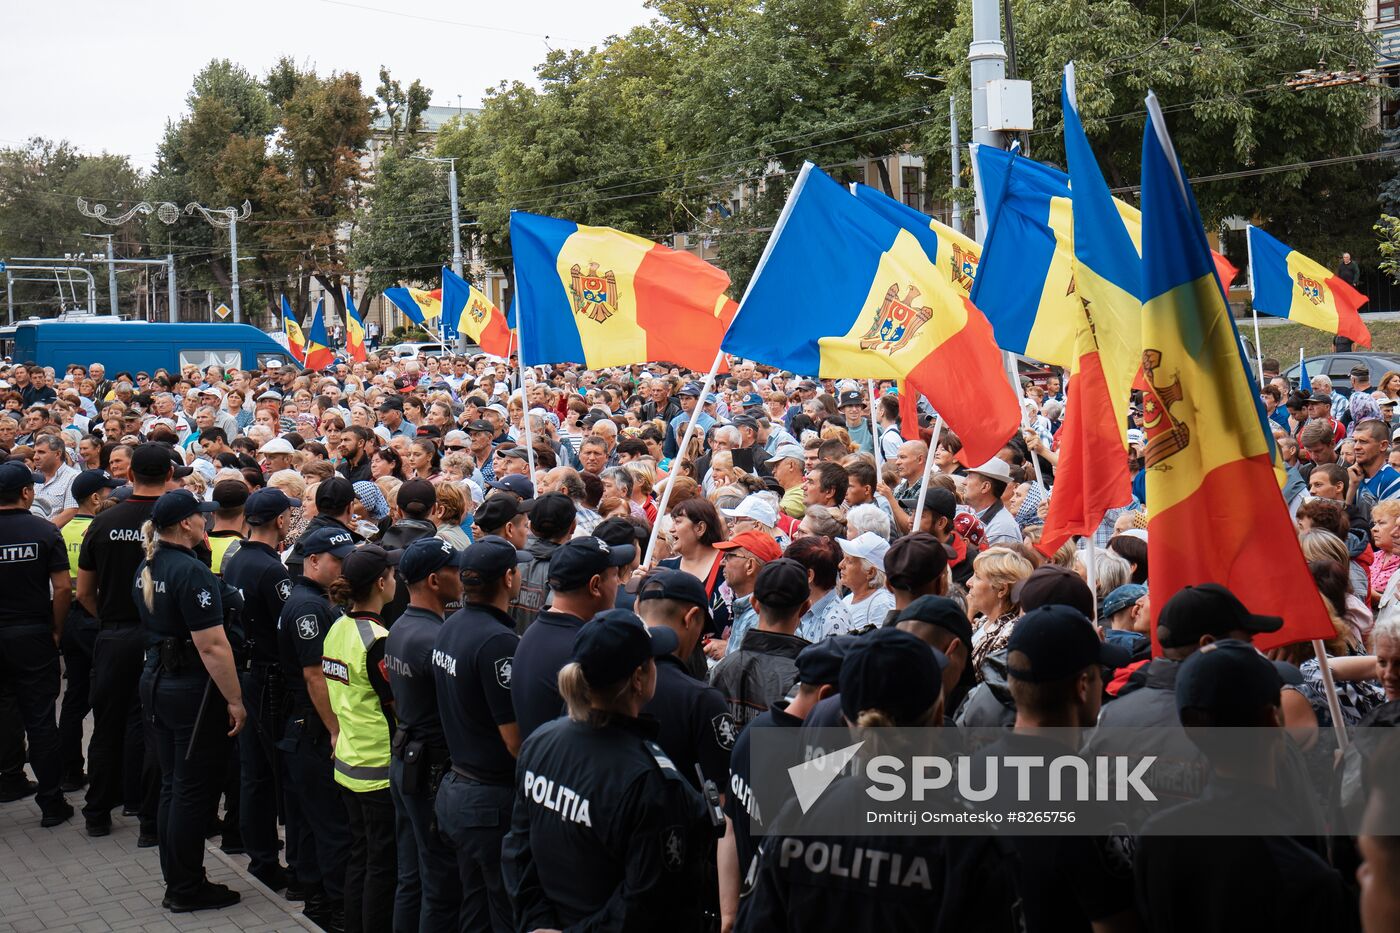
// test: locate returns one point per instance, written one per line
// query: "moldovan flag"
(955, 255)
(1027, 291)
(296, 340)
(1288, 284)
(354, 331)
(466, 311)
(318, 343)
(845, 293)
(1210, 476)
(1092, 474)
(601, 297)
(417, 305)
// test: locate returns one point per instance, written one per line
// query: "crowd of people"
(430, 670)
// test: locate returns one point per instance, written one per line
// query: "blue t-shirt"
(1384, 485)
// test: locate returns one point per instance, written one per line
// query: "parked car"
(1338, 367)
(411, 351)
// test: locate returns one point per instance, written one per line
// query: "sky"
(108, 74)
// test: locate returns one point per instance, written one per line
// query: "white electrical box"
(1009, 105)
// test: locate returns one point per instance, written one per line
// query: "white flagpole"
(705, 388)
(928, 471)
(874, 428)
(1091, 565)
(1334, 705)
(1258, 347)
(1025, 422)
(524, 400)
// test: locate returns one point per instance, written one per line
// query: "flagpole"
(690, 427)
(928, 471)
(1091, 566)
(524, 401)
(874, 428)
(1249, 257)
(1334, 705)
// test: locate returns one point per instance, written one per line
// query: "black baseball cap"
(614, 643)
(1053, 585)
(1058, 642)
(511, 452)
(849, 397)
(496, 511)
(417, 497)
(690, 388)
(915, 560)
(391, 402)
(514, 483)
(89, 481)
(940, 611)
(367, 563)
(424, 557)
(820, 664)
(15, 476)
(174, 506)
(941, 502)
(579, 560)
(1207, 609)
(891, 671)
(336, 542)
(334, 495)
(677, 585)
(1231, 676)
(489, 558)
(151, 461)
(230, 493)
(481, 425)
(265, 504)
(782, 584)
(551, 514)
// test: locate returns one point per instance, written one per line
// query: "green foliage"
(1388, 245)
(404, 229)
(404, 108)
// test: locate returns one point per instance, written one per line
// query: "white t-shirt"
(869, 612)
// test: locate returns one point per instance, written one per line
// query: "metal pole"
(233, 250)
(957, 161)
(9, 298)
(987, 56)
(111, 276)
(170, 288)
(456, 218)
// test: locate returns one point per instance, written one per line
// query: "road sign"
(2, 267)
(223, 311)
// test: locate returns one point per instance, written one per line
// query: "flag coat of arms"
(601, 297)
(354, 331)
(466, 311)
(843, 292)
(956, 254)
(296, 340)
(1285, 283)
(418, 305)
(1210, 474)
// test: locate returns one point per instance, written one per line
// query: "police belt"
(176, 656)
(470, 776)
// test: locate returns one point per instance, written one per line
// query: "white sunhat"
(755, 507)
(868, 547)
(278, 445)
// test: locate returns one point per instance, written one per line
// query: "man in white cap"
(277, 455)
(786, 464)
(756, 513)
(213, 395)
(985, 487)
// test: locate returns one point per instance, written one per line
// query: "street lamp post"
(111, 269)
(228, 218)
(456, 231)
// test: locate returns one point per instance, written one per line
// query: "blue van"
(140, 345)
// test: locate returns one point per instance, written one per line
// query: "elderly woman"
(454, 505)
(991, 605)
(294, 486)
(1385, 534)
(863, 574)
(823, 522)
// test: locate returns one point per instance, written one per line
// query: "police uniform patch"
(673, 848)
(726, 730)
(284, 589)
(503, 671)
(308, 626)
(204, 598)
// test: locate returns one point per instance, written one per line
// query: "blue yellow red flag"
(1285, 283)
(296, 340)
(466, 311)
(1027, 258)
(1210, 476)
(955, 253)
(843, 292)
(1091, 476)
(319, 354)
(354, 331)
(419, 306)
(601, 297)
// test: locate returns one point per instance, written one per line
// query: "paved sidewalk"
(61, 881)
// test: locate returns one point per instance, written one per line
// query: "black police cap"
(820, 664)
(496, 512)
(1207, 609)
(891, 671)
(579, 560)
(425, 557)
(782, 584)
(336, 542)
(488, 559)
(89, 481)
(151, 461)
(1231, 677)
(265, 504)
(1058, 642)
(940, 611)
(176, 506)
(613, 644)
(15, 476)
(677, 585)
(367, 563)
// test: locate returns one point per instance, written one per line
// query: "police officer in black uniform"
(31, 623)
(189, 691)
(606, 832)
(473, 661)
(120, 766)
(315, 813)
(428, 894)
(254, 567)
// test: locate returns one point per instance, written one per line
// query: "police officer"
(230, 495)
(473, 670)
(79, 630)
(604, 826)
(32, 559)
(428, 894)
(120, 767)
(255, 569)
(357, 687)
(189, 673)
(315, 814)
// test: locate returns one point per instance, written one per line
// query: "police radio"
(711, 795)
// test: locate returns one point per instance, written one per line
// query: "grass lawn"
(1283, 340)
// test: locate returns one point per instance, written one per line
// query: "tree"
(403, 109)
(404, 228)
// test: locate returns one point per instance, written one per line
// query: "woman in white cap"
(863, 573)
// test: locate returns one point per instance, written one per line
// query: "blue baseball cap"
(176, 506)
(265, 504)
(336, 542)
(488, 558)
(514, 483)
(14, 476)
(425, 557)
(752, 400)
